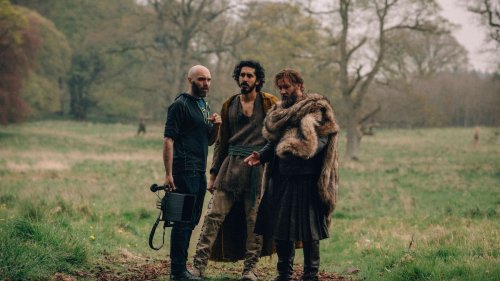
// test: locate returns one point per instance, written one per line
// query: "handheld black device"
(174, 207)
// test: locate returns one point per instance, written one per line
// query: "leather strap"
(152, 234)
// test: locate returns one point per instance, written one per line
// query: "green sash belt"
(243, 150)
(246, 150)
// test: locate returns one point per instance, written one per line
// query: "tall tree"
(490, 13)
(422, 55)
(103, 36)
(19, 43)
(362, 31)
(180, 30)
(44, 89)
(278, 34)
(85, 70)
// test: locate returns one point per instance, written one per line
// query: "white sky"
(469, 34)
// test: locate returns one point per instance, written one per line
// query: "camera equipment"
(154, 187)
(174, 207)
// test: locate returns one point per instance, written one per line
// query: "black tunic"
(291, 208)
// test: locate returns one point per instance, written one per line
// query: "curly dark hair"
(259, 72)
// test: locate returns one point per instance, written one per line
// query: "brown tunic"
(234, 175)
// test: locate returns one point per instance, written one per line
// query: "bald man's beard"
(197, 91)
(286, 102)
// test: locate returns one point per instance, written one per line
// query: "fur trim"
(296, 130)
(305, 146)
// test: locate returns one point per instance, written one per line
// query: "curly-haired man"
(228, 228)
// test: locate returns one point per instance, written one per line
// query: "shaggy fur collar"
(296, 129)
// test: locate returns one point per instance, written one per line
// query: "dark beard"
(246, 91)
(197, 91)
(289, 101)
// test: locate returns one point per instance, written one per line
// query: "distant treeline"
(446, 99)
(125, 60)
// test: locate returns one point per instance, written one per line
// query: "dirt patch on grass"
(129, 267)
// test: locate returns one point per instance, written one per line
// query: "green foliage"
(73, 18)
(85, 70)
(105, 63)
(43, 96)
(12, 22)
(19, 43)
(129, 59)
(280, 35)
(44, 90)
(116, 104)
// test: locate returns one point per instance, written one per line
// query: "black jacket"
(188, 126)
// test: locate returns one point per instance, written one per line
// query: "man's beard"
(197, 91)
(286, 102)
(248, 89)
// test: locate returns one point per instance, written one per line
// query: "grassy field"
(75, 203)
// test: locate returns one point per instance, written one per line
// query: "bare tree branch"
(356, 47)
(370, 114)
(358, 79)
(493, 16)
(312, 12)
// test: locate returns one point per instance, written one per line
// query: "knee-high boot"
(311, 260)
(286, 254)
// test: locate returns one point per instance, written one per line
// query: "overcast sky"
(469, 34)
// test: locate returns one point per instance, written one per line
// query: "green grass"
(429, 186)
(420, 205)
(31, 249)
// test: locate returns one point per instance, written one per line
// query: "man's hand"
(169, 183)
(215, 119)
(253, 159)
(211, 184)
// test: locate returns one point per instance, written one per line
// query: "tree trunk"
(353, 135)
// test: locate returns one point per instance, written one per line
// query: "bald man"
(189, 130)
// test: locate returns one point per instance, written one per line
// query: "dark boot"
(179, 243)
(311, 261)
(286, 253)
(185, 276)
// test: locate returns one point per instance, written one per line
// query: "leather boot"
(179, 243)
(286, 254)
(185, 276)
(311, 261)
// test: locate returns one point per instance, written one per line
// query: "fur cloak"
(296, 129)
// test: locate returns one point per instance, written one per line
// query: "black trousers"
(189, 182)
